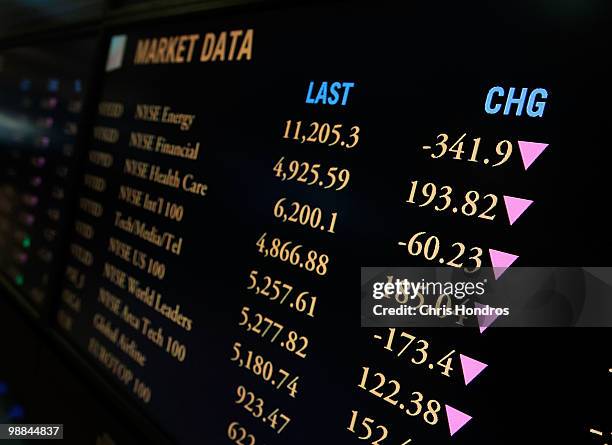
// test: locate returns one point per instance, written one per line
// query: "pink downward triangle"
(530, 151)
(515, 207)
(484, 321)
(471, 368)
(456, 419)
(501, 261)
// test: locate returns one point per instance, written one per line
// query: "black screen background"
(419, 71)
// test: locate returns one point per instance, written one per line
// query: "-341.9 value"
(448, 147)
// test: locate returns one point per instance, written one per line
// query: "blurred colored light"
(16, 412)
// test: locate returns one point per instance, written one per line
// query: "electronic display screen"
(242, 169)
(41, 99)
